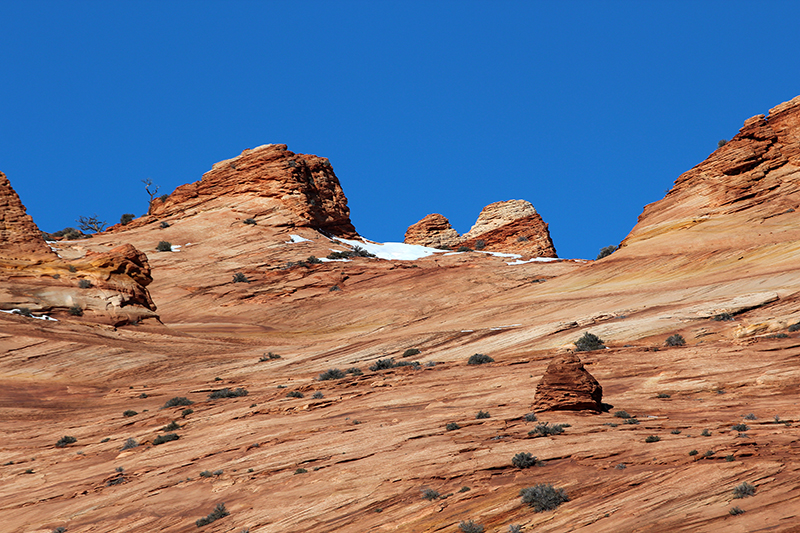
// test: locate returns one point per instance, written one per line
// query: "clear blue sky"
(589, 110)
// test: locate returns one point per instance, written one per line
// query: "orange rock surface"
(567, 386)
(353, 454)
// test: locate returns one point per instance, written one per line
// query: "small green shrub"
(60, 530)
(730, 458)
(589, 342)
(130, 443)
(464, 489)
(334, 288)
(514, 528)
(709, 453)
(479, 359)
(178, 401)
(129, 413)
(240, 278)
(480, 244)
(355, 371)
(300, 471)
(294, 394)
(525, 460)
(470, 527)
(740, 427)
(76, 310)
(163, 197)
(218, 512)
(622, 414)
(411, 352)
(126, 218)
(206, 473)
(463, 249)
(318, 395)
(452, 426)
(652, 438)
(313, 260)
(65, 440)
(794, 327)
(164, 246)
(605, 252)
(633, 421)
(543, 429)
(161, 439)
(750, 416)
(676, 431)
(331, 373)
(382, 364)
(165, 225)
(723, 317)
(705, 433)
(736, 511)
(530, 417)
(172, 426)
(84, 284)
(675, 340)
(228, 393)
(662, 395)
(721, 143)
(693, 452)
(249, 221)
(430, 494)
(482, 414)
(744, 490)
(186, 412)
(268, 356)
(543, 497)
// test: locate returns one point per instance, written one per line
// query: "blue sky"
(589, 110)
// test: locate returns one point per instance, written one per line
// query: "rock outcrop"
(512, 226)
(108, 287)
(269, 184)
(568, 386)
(434, 231)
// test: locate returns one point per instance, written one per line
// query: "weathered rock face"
(108, 287)
(19, 236)
(567, 386)
(434, 230)
(270, 184)
(512, 226)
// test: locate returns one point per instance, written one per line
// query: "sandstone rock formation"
(568, 386)
(19, 236)
(269, 184)
(513, 226)
(434, 231)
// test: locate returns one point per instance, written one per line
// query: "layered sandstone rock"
(269, 184)
(511, 226)
(568, 386)
(19, 236)
(434, 231)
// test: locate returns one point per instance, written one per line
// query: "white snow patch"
(467, 330)
(501, 254)
(326, 260)
(19, 312)
(394, 251)
(505, 327)
(534, 260)
(297, 238)
(176, 247)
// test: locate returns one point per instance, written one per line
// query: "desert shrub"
(318, 395)
(268, 356)
(736, 511)
(354, 371)
(543, 497)
(723, 317)
(794, 327)
(740, 427)
(60, 530)
(163, 197)
(250, 221)
(675, 340)
(662, 395)
(178, 401)
(633, 421)
(65, 440)
(652, 438)
(721, 143)
(130, 443)
(676, 431)
(105, 439)
(709, 453)
(543, 429)
(479, 359)
(705, 433)
(84, 284)
(294, 394)
(750, 416)
(240, 278)
(382, 364)
(339, 255)
(129, 412)
(334, 288)
(430, 494)
(126, 218)
(69, 234)
(452, 426)
(589, 342)
(522, 238)
(621, 466)
(164, 246)
(361, 252)
(161, 439)
(525, 460)
(331, 373)
(464, 489)
(480, 244)
(411, 352)
(172, 426)
(164, 225)
(91, 223)
(206, 473)
(622, 414)
(143, 395)
(744, 490)
(227, 393)
(463, 249)
(482, 414)
(414, 364)
(24, 311)
(514, 529)
(470, 527)
(730, 458)
(186, 412)
(301, 471)
(313, 260)
(530, 417)
(693, 452)
(218, 512)
(606, 251)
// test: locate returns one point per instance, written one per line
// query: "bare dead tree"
(151, 191)
(91, 224)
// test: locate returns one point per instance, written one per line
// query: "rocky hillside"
(374, 394)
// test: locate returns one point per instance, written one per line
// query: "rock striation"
(511, 226)
(568, 386)
(269, 184)
(19, 235)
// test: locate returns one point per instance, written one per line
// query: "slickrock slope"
(512, 226)
(567, 386)
(105, 286)
(356, 456)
